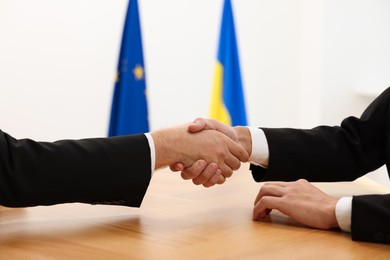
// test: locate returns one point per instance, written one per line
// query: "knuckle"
(221, 153)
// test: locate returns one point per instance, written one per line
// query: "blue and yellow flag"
(227, 100)
(129, 112)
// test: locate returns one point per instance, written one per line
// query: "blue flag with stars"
(129, 112)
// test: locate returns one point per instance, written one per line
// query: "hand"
(200, 124)
(238, 134)
(210, 176)
(177, 144)
(300, 200)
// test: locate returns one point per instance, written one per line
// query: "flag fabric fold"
(227, 98)
(129, 111)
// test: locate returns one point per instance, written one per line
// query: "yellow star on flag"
(138, 72)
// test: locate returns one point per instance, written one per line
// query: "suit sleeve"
(339, 153)
(370, 218)
(324, 153)
(97, 171)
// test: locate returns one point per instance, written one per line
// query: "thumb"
(198, 125)
(176, 167)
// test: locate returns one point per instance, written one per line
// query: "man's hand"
(200, 124)
(238, 134)
(210, 176)
(214, 152)
(300, 200)
(199, 171)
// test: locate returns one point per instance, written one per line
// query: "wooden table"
(179, 220)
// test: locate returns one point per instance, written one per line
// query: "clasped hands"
(208, 152)
(207, 173)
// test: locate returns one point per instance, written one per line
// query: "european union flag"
(129, 113)
(227, 101)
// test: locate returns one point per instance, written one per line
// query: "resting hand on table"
(205, 174)
(300, 200)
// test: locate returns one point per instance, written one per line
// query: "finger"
(221, 179)
(222, 128)
(233, 162)
(211, 124)
(198, 125)
(269, 189)
(264, 207)
(217, 178)
(238, 151)
(278, 183)
(206, 174)
(176, 167)
(194, 170)
(226, 170)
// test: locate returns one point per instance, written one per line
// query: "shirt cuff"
(260, 151)
(152, 152)
(344, 213)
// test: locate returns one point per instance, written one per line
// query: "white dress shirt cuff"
(152, 152)
(344, 213)
(260, 153)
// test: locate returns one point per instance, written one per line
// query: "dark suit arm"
(101, 170)
(324, 153)
(370, 218)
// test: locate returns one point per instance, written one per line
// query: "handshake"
(205, 151)
(208, 151)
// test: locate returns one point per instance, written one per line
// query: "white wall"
(58, 61)
(356, 56)
(356, 59)
(303, 62)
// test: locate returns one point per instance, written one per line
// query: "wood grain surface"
(179, 220)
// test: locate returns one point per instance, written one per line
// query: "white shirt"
(260, 156)
(152, 152)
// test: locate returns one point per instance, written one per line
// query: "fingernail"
(202, 164)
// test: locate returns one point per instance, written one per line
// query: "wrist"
(333, 223)
(244, 138)
(162, 143)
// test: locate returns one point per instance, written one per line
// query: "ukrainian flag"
(129, 112)
(227, 99)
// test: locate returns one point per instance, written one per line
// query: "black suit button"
(379, 237)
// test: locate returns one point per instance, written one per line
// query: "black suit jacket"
(98, 171)
(339, 153)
